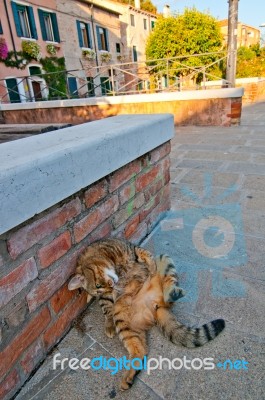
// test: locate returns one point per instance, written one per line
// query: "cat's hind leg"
(134, 340)
(167, 270)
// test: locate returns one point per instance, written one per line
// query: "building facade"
(246, 35)
(81, 40)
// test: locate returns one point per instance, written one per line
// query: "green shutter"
(55, 28)
(16, 19)
(107, 38)
(80, 39)
(72, 87)
(1, 29)
(89, 36)
(98, 38)
(12, 89)
(32, 22)
(42, 25)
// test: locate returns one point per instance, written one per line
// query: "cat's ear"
(76, 282)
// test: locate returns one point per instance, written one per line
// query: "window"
(24, 20)
(72, 87)
(1, 29)
(13, 92)
(84, 36)
(106, 86)
(118, 48)
(135, 53)
(132, 20)
(102, 36)
(152, 24)
(49, 26)
(145, 23)
(90, 87)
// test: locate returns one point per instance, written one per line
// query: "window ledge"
(27, 38)
(52, 42)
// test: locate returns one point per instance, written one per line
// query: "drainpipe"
(10, 29)
(93, 31)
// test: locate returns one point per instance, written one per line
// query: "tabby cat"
(135, 293)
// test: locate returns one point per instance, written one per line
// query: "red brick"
(131, 226)
(32, 357)
(127, 192)
(153, 189)
(152, 204)
(104, 230)
(160, 152)
(17, 280)
(44, 289)
(9, 383)
(61, 298)
(23, 340)
(124, 174)
(166, 170)
(143, 180)
(140, 233)
(97, 192)
(18, 313)
(56, 331)
(236, 106)
(31, 234)
(125, 213)
(55, 249)
(95, 218)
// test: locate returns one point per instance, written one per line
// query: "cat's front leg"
(106, 304)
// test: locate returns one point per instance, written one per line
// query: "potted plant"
(90, 54)
(31, 49)
(51, 49)
(105, 57)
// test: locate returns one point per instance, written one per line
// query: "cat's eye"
(98, 286)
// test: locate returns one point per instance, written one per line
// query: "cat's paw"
(175, 294)
(110, 331)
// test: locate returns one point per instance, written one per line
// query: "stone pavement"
(216, 235)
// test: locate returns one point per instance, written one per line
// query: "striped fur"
(135, 293)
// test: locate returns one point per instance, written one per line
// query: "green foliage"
(250, 62)
(55, 76)
(31, 49)
(18, 60)
(190, 33)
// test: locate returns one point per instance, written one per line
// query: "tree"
(192, 32)
(250, 62)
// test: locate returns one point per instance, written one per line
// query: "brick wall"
(205, 107)
(253, 91)
(38, 257)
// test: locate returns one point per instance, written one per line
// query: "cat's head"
(95, 276)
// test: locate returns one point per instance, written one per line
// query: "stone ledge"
(40, 171)
(130, 99)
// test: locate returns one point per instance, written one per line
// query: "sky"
(251, 12)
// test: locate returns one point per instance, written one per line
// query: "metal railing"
(152, 76)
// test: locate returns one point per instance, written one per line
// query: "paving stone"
(245, 168)
(199, 164)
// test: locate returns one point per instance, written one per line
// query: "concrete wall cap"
(40, 171)
(130, 99)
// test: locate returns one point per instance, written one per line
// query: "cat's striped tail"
(189, 337)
